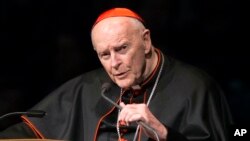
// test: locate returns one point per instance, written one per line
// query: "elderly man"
(158, 97)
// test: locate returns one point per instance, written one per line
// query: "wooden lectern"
(29, 140)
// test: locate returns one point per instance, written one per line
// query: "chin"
(124, 83)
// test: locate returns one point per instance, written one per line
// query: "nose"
(115, 61)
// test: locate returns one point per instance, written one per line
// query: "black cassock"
(186, 100)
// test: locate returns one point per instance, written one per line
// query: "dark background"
(45, 43)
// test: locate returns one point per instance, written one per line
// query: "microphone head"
(105, 86)
(36, 113)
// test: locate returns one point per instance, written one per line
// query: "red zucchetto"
(118, 12)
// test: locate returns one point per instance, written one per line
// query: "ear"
(147, 41)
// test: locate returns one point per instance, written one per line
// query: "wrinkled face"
(122, 47)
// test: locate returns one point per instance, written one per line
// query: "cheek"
(106, 66)
(137, 64)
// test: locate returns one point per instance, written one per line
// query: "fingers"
(131, 113)
(140, 112)
(133, 117)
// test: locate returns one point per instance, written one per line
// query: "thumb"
(122, 104)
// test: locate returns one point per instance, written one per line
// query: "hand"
(140, 112)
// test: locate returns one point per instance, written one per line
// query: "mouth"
(121, 75)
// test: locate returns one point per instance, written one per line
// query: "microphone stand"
(104, 89)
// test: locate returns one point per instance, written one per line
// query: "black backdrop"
(45, 43)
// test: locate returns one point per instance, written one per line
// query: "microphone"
(9, 119)
(31, 113)
(105, 87)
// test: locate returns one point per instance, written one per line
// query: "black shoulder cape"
(187, 101)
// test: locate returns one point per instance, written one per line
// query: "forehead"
(112, 29)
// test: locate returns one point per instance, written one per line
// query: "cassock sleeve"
(175, 136)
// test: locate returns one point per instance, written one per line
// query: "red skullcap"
(118, 12)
